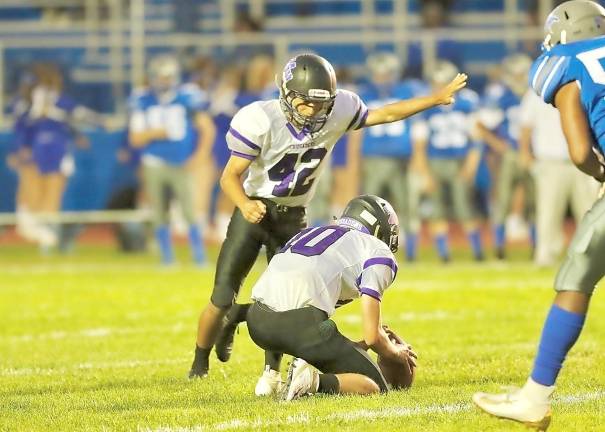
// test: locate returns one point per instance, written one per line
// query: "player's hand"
(445, 96)
(253, 211)
(405, 354)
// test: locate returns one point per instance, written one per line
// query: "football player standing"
(168, 122)
(386, 150)
(283, 144)
(570, 76)
(447, 153)
(499, 127)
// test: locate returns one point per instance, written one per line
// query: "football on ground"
(399, 376)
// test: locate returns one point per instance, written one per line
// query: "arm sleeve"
(378, 273)
(246, 131)
(356, 109)
(548, 74)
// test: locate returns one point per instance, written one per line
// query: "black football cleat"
(500, 254)
(200, 366)
(198, 370)
(224, 342)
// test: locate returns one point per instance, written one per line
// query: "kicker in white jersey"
(286, 161)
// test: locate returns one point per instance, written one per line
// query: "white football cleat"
(517, 405)
(303, 380)
(269, 383)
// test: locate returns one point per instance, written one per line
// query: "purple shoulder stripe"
(242, 155)
(364, 117)
(370, 292)
(382, 260)
(243, 139)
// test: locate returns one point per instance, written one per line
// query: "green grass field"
(101, 341)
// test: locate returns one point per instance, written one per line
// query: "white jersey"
(286, 162)
(326, 266)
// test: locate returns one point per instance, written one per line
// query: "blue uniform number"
(592, 61)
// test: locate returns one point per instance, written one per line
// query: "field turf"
(102, 341)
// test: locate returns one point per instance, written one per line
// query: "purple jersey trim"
(370, 292)
(362, 122)
(382, 260)
(243, 139)
(298, 135)
(242, 155)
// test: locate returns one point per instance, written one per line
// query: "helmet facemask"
(319, 98)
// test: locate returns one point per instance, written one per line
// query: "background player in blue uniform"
(168, 123)
(445, 137)
(570, 75)
(386, 149)
(499, 129)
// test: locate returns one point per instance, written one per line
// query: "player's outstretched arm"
(577, 131)
(231, 183)
(399, 110)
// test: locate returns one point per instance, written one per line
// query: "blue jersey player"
(168, 123)
(499, 127)
(448, 155)
(569, 75)
(386, 149)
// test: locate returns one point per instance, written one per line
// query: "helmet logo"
(287, 76)
(550, 21)
(368, 217)
(319, 94)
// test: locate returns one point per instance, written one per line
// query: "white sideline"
(353, 416)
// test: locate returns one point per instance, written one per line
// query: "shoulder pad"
(548, 73)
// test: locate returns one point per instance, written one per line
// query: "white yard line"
(355, 415)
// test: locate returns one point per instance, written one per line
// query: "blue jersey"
(389, 139)
(448, 127)
(582, 62)
(175, 116)
(500, 113)
(223, 107)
